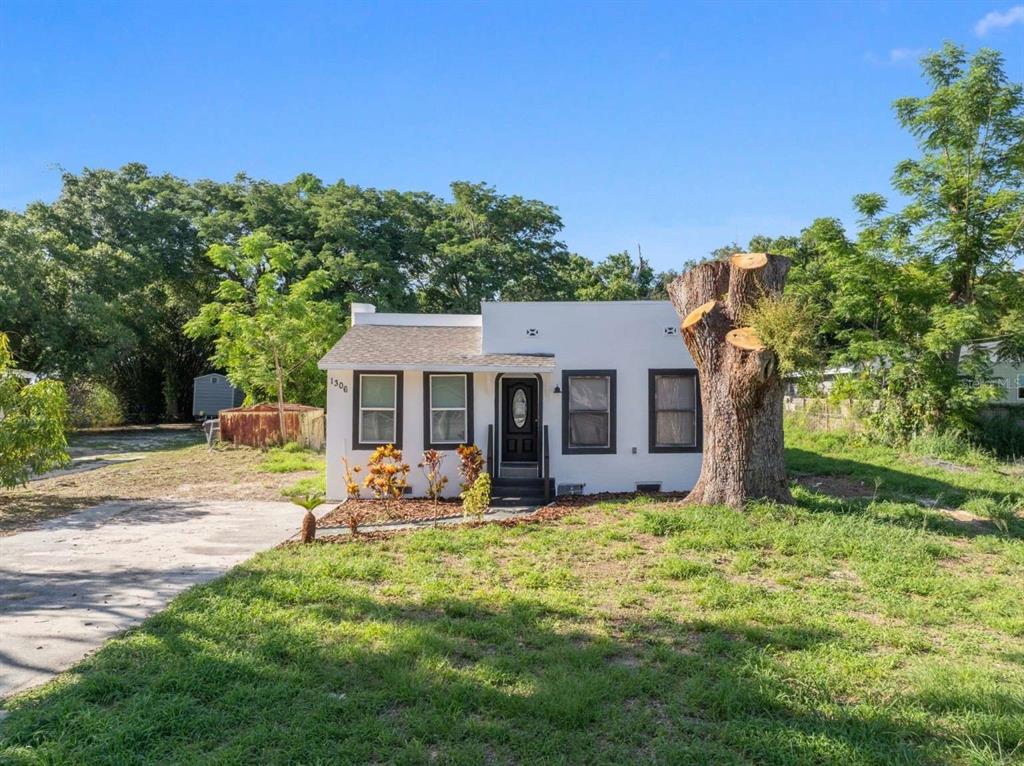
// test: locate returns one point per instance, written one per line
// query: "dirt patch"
(837, 486)
(969, 520)
(947, 465)
(192, 473)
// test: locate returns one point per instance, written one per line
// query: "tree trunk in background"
(280, 394)
(740, 385)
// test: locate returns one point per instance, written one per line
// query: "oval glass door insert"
(519, 408)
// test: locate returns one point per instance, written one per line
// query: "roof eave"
(340, 366)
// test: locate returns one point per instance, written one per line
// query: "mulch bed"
(406, 509)
(419, 509)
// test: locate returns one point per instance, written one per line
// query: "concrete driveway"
(75, 581)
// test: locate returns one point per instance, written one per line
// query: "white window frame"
(463, 409)
(393, 409)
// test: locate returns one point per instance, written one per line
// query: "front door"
(520, 421)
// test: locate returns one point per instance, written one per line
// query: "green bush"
(477, 499)
(1002, 435)
(93, 405)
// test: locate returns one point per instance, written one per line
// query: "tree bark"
(280, 394)
(740, 385)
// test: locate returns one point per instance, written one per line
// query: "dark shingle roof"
(414, 346)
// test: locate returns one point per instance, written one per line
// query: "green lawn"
(870, 631)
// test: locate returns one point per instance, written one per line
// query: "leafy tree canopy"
(33, 419)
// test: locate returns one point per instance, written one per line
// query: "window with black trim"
(376, 409)
(1020, 386)
(674, 422)
(447, 409)
(588, 412)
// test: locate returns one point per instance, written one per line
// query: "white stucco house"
(567, 397)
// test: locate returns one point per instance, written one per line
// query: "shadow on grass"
(907, 515)
(892, 483)
(281, 669)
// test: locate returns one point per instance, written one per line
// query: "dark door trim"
(497, 419)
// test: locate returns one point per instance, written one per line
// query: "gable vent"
(532, 332)
(671, 330)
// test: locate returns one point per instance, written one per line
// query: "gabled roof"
(416, 347)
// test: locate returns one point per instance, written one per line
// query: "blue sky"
(678, 126)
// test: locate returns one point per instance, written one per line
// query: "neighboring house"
(825, 382)
(1008, 375)
(597, 396)
(213, 393)
(25, 375)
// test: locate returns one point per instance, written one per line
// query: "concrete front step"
(514, 501)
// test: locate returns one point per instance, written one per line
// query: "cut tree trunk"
(740, 385)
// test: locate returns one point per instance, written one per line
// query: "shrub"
(1001, 434)
(477, 499)
(309, 502)
(351, 485)
(471, 463)
(387, 476)
(431, 465)
(353, 514)
(93, 405)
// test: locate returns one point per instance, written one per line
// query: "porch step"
(511, 492)
(520, 470)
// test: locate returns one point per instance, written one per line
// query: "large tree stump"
(740, 385)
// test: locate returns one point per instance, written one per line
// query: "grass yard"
(183, 471)
(870, 630)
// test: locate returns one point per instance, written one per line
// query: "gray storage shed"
(213, 393)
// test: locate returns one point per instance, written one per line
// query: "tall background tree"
(268, 327)
(98, 286)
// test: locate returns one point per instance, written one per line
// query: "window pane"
(675, 429)
(377, 390)
(378, 427)
(588, 394)
(448, 426)
(588, 429)
(674, 392)
(449, 391)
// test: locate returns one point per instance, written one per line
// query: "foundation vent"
(648, 487)
(570, 489)
(671, 330)
(533, 331)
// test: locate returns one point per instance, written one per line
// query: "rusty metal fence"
(260, 425)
